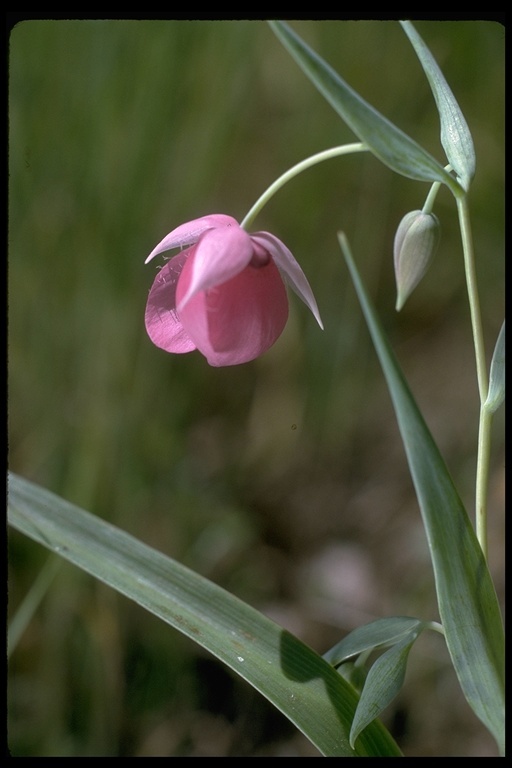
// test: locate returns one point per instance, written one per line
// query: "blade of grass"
(467, 600)
(291, 675)
(31, 603)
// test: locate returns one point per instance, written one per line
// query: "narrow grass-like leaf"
(387, 142)
(32, 601)
(467, 600)
(372, 635)
(496, 393)
(383, 683)
(286, 671)
(455, 135)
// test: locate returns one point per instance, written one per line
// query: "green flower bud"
(416, 241)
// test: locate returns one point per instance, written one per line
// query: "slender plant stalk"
(429, 202)
(484, 442)
(327, 154)
(435, 626)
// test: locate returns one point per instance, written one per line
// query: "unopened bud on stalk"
(416, 241)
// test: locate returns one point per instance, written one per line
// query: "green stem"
(435, 626)
(327, 154)
(429, 202)
(474, 303)
(482, 476)
(482, 470)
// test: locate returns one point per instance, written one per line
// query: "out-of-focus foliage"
(283, 480)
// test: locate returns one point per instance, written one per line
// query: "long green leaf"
(455, 135)
(286, 671)
(467, 601)
(377, 633)
(383, 684)
(387, 142)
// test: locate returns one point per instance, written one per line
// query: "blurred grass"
(283, 480)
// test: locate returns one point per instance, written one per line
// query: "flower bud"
(416, 241)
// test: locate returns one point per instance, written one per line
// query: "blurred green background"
(283, 480)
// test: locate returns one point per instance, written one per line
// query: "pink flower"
(224, 294)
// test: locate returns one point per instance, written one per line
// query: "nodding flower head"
(225, 293)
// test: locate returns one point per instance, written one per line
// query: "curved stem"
(327, 154)
(435, 626)
(429, 202)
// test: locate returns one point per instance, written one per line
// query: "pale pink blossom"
(224, 294)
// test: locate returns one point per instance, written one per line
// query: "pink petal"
(239, 320)
(290, 268)
(189, 233)
(219, 255)
(162, 323)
